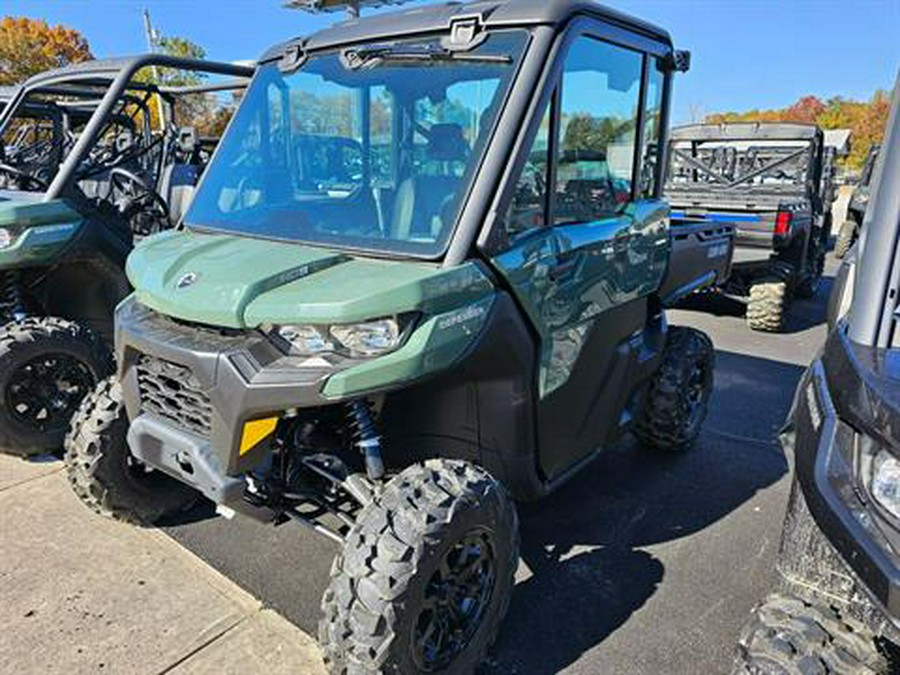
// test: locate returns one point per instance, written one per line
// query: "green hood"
(241, 282)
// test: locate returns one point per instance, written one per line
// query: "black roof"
(493, 14)
(746, 131)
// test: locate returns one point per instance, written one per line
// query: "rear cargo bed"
(701, 258)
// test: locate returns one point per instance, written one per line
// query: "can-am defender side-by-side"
(773, 183)
(836, 609)
(91, 160)
(426, 270)
(856, 209)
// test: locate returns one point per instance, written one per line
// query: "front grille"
(173, 393)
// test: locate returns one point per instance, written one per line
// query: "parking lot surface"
(643, 563)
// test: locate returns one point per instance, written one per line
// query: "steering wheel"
(23, 178)
(141, 206)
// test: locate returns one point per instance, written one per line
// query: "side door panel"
(586, 253)
(584, 287)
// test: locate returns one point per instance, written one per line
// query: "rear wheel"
(425, 575)
(678, 398)
(845, 239)
(788, 636)
(47, 366)
(767, 306)
(103, 472)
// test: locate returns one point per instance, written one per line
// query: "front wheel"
(103, 472)
(788, 636)
(425, 575)
(678, 397)
(47, 366)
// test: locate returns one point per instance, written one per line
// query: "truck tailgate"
(701, 257)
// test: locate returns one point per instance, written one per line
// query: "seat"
(422, 201)
(178, 181)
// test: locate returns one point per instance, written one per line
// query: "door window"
(528, 210)
(652, 128)
(598, 124)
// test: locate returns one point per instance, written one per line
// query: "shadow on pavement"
(583, 545)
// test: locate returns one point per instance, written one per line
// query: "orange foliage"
(865, 119)
(30, 46)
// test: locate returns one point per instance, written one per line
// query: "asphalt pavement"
(643, 564)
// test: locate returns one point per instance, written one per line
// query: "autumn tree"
(208, 113)
(865, 119)
(30, 46)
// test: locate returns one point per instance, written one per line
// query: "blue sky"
(746, 53)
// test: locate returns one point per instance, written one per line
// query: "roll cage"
(104, 91)
(763, 157)
(873, 317)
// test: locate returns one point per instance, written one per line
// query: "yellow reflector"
(256, 431)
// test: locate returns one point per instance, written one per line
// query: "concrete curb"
(82, 594)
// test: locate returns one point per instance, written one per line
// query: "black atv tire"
(810, 283)
(767, 306)
(105, 475)
(789, 636)
(402, 547)
(678, 398)
(845, 239)
(47, 366)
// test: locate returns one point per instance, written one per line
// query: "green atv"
(84, 173)
(425, 274)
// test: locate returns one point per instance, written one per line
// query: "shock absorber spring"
(13, 302)
(366, 437)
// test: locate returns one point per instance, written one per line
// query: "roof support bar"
(871, 317)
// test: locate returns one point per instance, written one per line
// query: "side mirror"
(679, 61)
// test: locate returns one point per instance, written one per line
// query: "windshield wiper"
(372, 57)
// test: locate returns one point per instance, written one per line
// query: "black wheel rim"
(44, 392)
(696, 396)
(455, 601)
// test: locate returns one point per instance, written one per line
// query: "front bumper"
(189, 391)
(819, 438)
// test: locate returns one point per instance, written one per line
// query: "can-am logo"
(186, 280)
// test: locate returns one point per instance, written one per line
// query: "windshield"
(370, 149)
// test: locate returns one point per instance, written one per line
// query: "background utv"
(426, 269)
(84, 173)
(773, 183)
(837, 609)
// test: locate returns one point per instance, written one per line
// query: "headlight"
(879, 471)
(369, 338)
(6, 238)
(885, 482)
(305, 340)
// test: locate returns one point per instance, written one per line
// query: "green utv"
(425, 272)
(90, 162)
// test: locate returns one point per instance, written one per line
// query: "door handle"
(561, 268)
